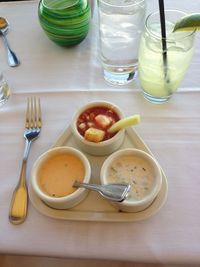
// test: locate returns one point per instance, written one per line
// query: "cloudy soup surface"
(135, 171)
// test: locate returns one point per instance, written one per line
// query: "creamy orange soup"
(58, 174)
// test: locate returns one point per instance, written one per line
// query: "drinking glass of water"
(120, 26)
(4, 90)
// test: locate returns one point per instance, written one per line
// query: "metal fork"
(19, 202)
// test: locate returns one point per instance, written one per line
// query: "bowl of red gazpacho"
(90, 127)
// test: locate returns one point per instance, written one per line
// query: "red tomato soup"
(94, 122)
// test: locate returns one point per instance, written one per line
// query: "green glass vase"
(66, 22)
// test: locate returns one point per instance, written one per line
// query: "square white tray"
(94, 207)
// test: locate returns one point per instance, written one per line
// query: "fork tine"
(27, 114)
(34, 114)
(31, 114)
(39, 121)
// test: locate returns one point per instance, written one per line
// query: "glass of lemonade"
(120, 25)
(162, 70)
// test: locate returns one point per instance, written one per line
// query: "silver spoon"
(114, 192)
(13, 61)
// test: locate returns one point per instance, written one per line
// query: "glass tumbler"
(120, 25)
(66, 22)
(162, 70)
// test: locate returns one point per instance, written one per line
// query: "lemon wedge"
(124, 123)
(188, 23)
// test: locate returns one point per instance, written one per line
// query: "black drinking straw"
(163, 35)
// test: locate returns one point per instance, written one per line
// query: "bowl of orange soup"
(90, 126)
(54, 173)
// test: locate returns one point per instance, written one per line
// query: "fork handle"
(19, 202)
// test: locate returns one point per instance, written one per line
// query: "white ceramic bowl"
(103, 147)
(69, 200)
(140, 170)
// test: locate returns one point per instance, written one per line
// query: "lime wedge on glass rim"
(188, 23)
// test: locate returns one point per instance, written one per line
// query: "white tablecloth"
(65, 80)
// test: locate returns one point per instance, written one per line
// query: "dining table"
(66, 78)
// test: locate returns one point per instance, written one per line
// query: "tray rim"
(107, 216)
